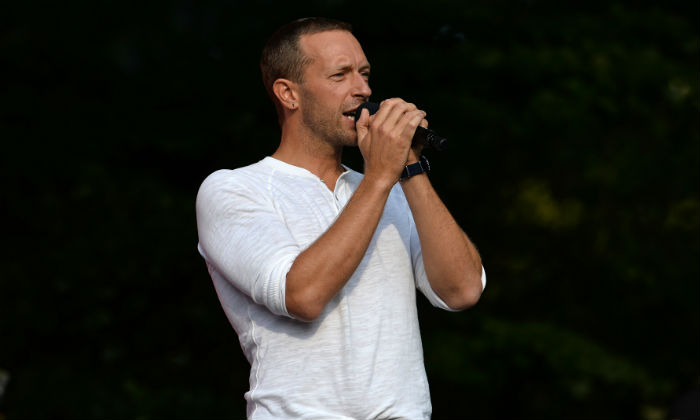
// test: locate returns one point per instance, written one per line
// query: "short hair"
(282, 56)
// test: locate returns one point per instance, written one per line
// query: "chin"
(345, 139)
(350, 142)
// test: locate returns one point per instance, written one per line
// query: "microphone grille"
(371, 107)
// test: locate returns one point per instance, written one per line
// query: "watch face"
(416, 168)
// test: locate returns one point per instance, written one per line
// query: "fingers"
(395, 109)
(364, 119)
(397, 117)
(362, 126)
(391, 111)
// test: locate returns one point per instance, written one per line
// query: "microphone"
(424, 136)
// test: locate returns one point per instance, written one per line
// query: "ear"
(286, 92)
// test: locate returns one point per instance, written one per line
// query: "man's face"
(335, 84)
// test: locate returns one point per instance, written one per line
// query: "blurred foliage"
(573, 166)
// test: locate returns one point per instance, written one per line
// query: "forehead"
(333, 48)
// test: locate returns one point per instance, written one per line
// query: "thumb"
(362, 125)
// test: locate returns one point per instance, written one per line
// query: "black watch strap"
(416, 168)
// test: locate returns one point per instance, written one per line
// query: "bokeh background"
(574, 167)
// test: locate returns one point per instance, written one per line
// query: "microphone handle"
(425, 136)
(429, 138)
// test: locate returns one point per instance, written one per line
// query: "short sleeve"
(421, 277)
(245, 240)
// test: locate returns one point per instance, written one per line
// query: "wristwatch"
(415, 168)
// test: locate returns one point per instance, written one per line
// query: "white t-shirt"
(362, 358)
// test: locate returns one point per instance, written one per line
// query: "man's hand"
(321, 271)
(385, 139)
(416, 149)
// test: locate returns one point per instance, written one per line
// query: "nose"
(361, 86)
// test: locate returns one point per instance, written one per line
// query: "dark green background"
(573, 166)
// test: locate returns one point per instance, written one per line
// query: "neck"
(303, 150)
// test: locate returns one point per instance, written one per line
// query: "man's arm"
(451, 261)
(320, 271)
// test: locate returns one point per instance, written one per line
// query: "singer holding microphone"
(317, 265)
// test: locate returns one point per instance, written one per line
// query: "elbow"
(301, 308)
(464, 301)
(465, 297)
(304, 314)
(305, 301)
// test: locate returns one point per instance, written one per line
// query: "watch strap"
(416, 168)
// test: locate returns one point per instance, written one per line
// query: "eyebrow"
(348, 67)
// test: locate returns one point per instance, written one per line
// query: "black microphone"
(424, 136)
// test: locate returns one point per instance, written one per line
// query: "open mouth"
(350, 115)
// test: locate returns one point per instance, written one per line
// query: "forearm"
(320, 271)
(451, 261)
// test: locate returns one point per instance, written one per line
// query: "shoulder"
(240, 177)
(224, 184)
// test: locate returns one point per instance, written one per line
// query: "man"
(316, 265)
